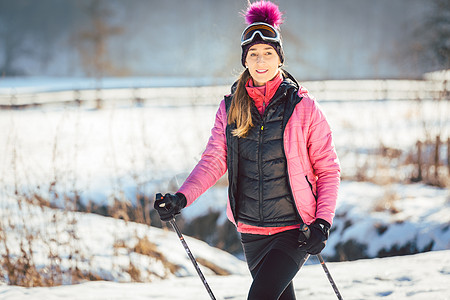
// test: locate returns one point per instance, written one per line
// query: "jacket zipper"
(311, 187)
(261, 216)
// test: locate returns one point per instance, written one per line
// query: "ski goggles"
(267, 33)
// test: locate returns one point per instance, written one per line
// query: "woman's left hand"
(313, 238)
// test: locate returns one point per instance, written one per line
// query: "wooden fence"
(330, 90)
(432, 167)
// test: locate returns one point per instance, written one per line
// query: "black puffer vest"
(259, 189)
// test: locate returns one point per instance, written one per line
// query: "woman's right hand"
(168, 206)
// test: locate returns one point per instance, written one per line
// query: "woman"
(283, 170)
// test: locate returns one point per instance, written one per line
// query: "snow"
(423, 217)
(415, 277)
(124, 150)
(104, 246)
(123, 146)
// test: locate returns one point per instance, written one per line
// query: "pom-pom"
(264, 11)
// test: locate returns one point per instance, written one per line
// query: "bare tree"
(439, 32)
(432, 38)
(13, 35)
(92, 43)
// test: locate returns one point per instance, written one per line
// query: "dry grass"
(212, 266)
(386, 165)
(134, 272)
(387, 202)
(145, 247)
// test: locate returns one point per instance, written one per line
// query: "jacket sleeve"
(325, 163)
(213, 163)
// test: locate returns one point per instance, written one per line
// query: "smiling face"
(263, 63)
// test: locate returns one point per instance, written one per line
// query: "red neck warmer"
(262, 95)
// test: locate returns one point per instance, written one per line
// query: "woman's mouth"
(261, 71)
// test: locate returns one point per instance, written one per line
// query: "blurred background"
(323, 39)
(104, 103)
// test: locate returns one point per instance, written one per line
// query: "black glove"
(169, 206)
(313, 238)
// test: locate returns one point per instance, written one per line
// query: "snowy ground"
(59, 152)
(97, 152)
(124, 150)
(382, 219)
(105, 247)
(422, 276)
(416, 277)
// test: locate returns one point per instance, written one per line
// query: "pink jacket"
(310, 155)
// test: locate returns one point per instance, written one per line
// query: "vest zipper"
(261, 216)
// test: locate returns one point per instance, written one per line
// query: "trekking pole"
(333, 284)
(306, 231)
(194, 262)
(188, 251)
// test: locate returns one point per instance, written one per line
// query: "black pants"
(272, 277)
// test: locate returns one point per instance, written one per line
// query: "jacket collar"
(289, 80)
(270, 89)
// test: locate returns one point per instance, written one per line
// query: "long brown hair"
(240, 108)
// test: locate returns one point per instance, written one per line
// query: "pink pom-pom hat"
(268, 13)
(264, 11)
